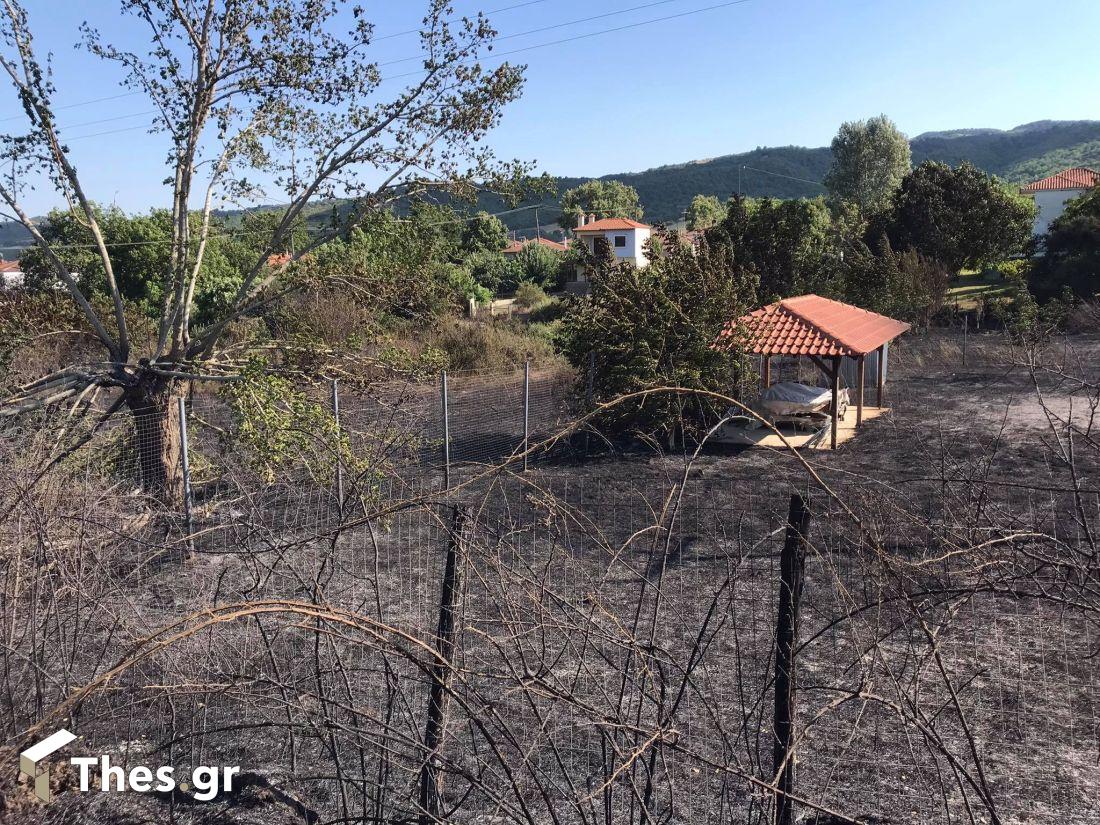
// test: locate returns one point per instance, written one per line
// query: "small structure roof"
(1079, 177)
(812, 325)
(515, 247)
(611, 224)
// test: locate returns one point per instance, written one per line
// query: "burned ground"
(615, 649)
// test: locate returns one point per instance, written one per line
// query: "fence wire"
(614, 632)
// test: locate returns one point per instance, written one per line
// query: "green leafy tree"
(484, 233)
(787, 243)
(539, 265)
(602, 198)
(905, 285)
(962, 217)
(279, 100)
(870, 158)
(1070, 258)
(704, 212)
(655, 326)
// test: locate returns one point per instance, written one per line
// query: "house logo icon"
(32, 762)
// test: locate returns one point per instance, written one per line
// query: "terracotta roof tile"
(812, 325)
(610, 224)
(514, 247)
(1079, 177)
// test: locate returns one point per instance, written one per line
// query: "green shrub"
(530, 296)
(1013, 272)
(551, 310)
(496, 345)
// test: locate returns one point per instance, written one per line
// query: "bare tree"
(260, 100)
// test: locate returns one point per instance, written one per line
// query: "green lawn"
(966, 288)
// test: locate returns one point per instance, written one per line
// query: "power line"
(375, 40)
(236, 232)
(786, 177)
(593, 34)
(521, 50)
(577, 22)
(457, 19)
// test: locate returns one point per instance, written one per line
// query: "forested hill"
(1019, 155)
(1026, 153)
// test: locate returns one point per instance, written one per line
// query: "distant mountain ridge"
(1027, 152)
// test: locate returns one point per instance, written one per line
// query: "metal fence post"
(791, 568)
(446, 430)
(966, 334)
(526, 411)
(339, 443)
(589, 393)
(431, 777)
(185, 466)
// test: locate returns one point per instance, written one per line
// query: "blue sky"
(758, 73)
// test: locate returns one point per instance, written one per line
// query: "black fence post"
(791, 569)
(185, 467)
(431, 774)
(446, 430)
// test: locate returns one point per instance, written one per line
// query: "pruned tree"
(276, 100)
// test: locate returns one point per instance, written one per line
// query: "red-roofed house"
(1050, 194)
(11, 275)
(626, 238)
(515, 247)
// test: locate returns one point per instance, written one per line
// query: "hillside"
(1022, 154)
(1027, 152)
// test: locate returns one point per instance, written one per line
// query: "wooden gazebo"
(823, 330)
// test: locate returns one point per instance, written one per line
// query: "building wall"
(1051, 204)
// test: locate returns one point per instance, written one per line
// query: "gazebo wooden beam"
(879, 381)
(861, 362)
(834, 383)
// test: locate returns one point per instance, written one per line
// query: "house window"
(620, 241)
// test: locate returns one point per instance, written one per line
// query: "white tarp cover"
(791, 398)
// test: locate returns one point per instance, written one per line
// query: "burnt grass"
(579, 617)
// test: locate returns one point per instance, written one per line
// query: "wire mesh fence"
(611, 651)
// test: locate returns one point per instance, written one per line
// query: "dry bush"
(491, 346)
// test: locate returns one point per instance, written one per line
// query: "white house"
(1050, 194)
(11, 275)
(625, 237)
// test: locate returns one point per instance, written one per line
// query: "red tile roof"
(9, 266)
(1079, 177)
(812, 325)
(515, 247)
(611, 224)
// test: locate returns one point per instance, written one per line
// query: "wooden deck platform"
(819, 440)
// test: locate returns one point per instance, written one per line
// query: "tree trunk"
(153, 403)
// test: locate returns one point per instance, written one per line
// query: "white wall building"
(625, 237)
(1050, 194)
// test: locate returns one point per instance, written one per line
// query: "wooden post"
(767, 371)
(859, 395)
(881, 372)
(431, 776)
(791, 569)
(834, 379)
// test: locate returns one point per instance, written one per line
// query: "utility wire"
(236, 232)
(541, 29)
(375, 40)
(421, 56)
(786, 177)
